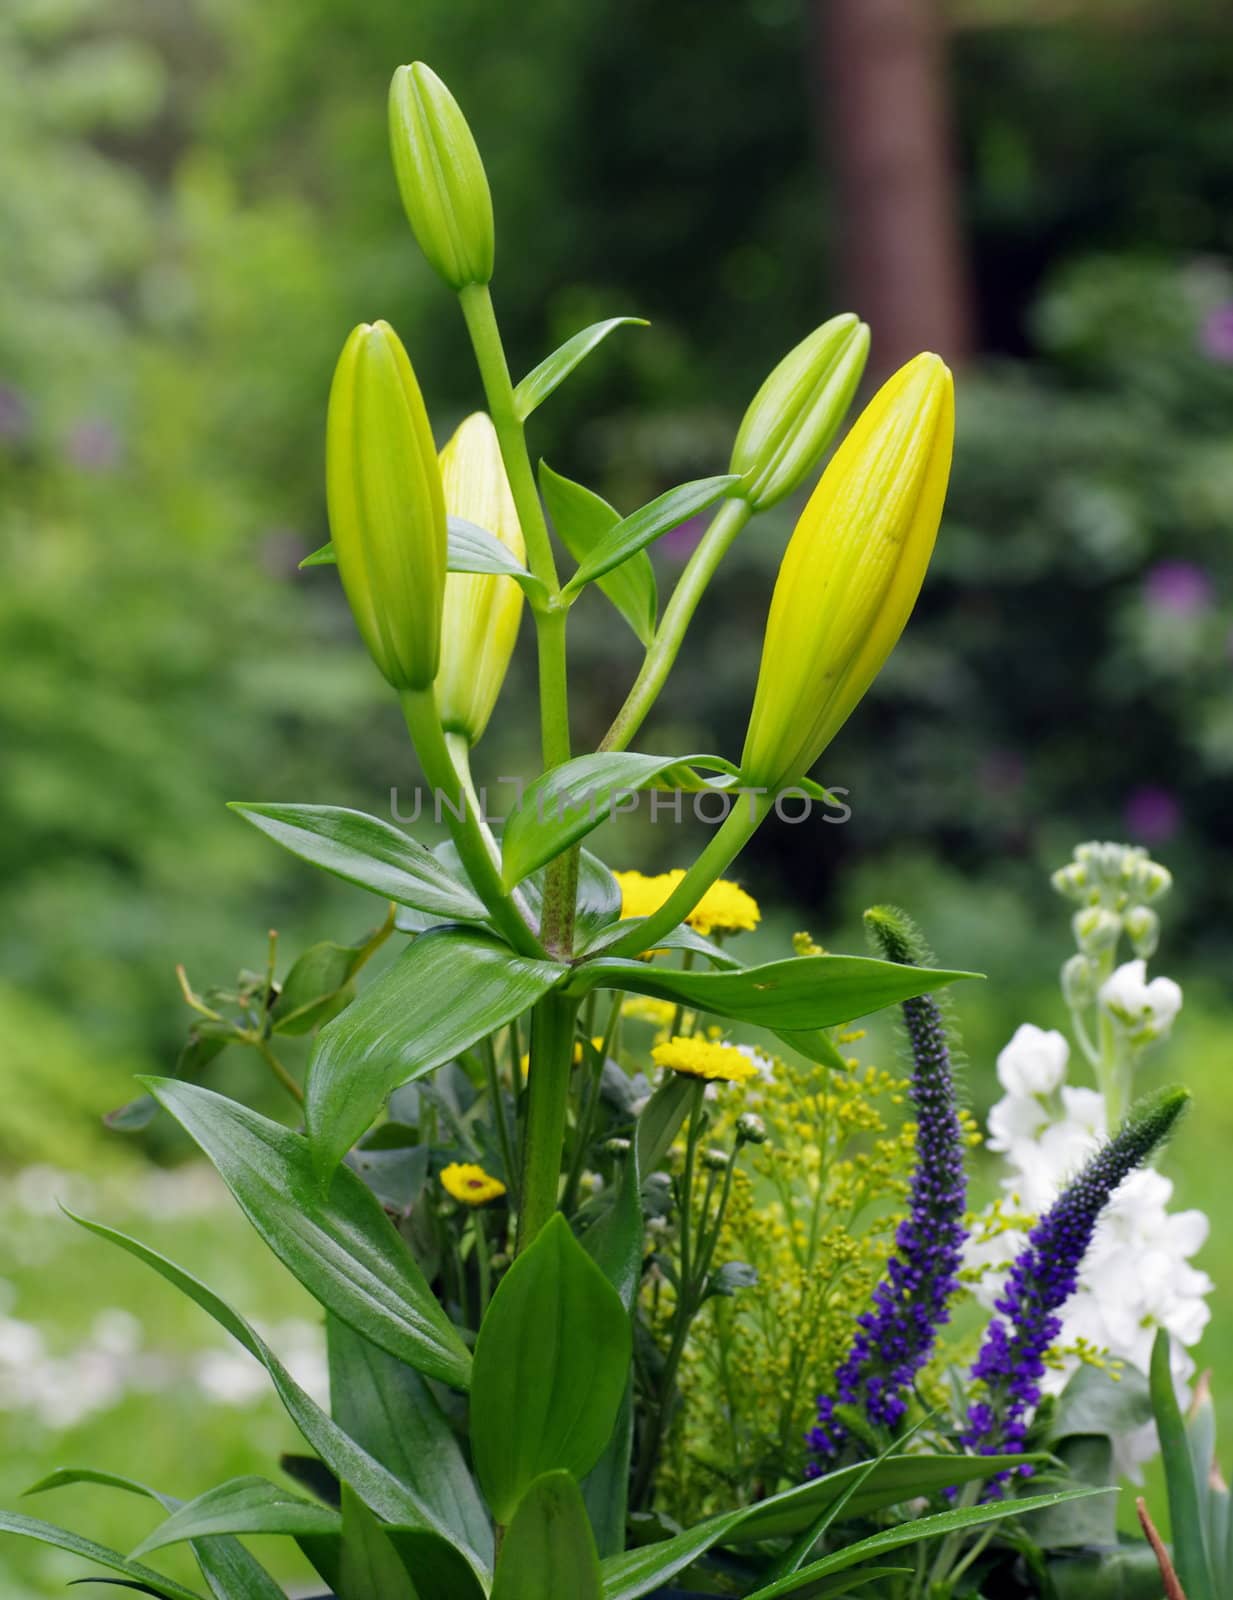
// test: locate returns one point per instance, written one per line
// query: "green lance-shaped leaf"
(231, 1572)
(919, 1531)
(141, 1577)
(339, 1244)
(583, 519)
(322, 557)
(369, 1567)
(571, 800)
(549, 1548)
(805, 992)
(471, 548)
(551, 1363)
(449, 989)
(649, 523)
(640, 1571)
(1189, 1550)
(317, 987)
(380, 1490)
(539, 383)
(388, 1408)
(369, 853)
(242, 1505)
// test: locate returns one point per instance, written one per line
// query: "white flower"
(1034, 1062)
(1015, 1123)
(1146, 1010)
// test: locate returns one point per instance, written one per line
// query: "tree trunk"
(879, 76)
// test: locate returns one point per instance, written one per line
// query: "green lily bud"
(387, 512)
(852, 571)
(482, 611)
(441, 177)
(797, 411)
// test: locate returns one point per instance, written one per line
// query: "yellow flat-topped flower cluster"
(724, 908)
(705, 1058)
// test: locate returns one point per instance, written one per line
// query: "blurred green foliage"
(198, 204)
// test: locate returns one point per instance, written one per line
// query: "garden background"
(196, 205)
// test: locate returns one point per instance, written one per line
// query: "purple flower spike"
(1011, 1363)
(896, 1336)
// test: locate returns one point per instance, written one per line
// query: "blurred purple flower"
(94, 446)
(14, 413)
(1179, 587)
(680, 543)
(1216, 333)
(1153, 814)
(281, 550)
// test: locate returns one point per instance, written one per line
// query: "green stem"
(561, 882)
(424, 725)
(742, 822)
(683, 1313)
(483, 1261)
(504, 1143)
(552, 1057)
(589, 1106)
(279, 1071)
(670, 634)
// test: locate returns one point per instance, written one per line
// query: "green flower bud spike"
(441, 177)
(482, 611)
(852, 572)
(386, 508)
(797, 411)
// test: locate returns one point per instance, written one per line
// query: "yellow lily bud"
(852, 571)
(797, 411)
(386, 508)
(482, 611)
(441, 177)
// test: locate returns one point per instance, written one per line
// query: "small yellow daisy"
(703, 1058)
(471, 1184)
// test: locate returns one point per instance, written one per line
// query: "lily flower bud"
(387, 512)
(852, 571)
(441, 177)
(482, 611)
(797, 411)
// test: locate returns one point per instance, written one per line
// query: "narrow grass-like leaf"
(378, 1488)
(450, 988)
(242, 1505)
(339, 1244)
(918, 1531)
(552, 371)
(322, 557)
(369, 853)
(389, 1409)
(140, 1577)
(1189, 1550)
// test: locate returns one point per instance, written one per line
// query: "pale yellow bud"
(482, 611)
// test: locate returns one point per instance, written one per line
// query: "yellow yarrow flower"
(597, 1041)
(471, 1184)
(644, 1008)
(724, 908)
(703, 1058)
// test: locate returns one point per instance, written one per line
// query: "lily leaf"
(539, 383)
(801, 993)
(583, 520)
(369, 853)
(143, 1578)
(551, 1364)
(340, 1244)
(646, 525)
(474, 549)
(549, 1549)
(450, 988)
(243, 1505)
